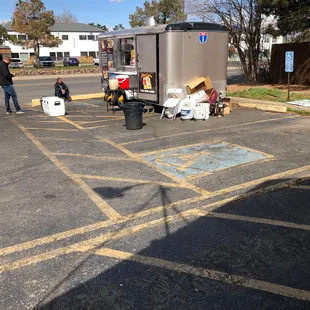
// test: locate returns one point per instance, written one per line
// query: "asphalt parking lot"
(178, 215)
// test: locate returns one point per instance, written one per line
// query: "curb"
(36, 102)
(263, 106)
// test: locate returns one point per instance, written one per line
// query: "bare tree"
(243, 18)
(66, 17)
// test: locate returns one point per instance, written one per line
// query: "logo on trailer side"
(203, 37)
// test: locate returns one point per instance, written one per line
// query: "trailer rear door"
(147, 67)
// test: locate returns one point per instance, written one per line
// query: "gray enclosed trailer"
(156, 58)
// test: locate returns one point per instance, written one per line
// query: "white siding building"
(78, 40)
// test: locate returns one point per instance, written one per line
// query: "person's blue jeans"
(59, 94)
(9, 92)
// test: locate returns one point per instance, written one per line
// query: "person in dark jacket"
(6, 81)
(61, 90)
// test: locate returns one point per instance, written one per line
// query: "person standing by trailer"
(6, 81)
(61, 90)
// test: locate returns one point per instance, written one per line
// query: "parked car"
(16, 63)
(96, 61)
(45, 61)
(71, 61)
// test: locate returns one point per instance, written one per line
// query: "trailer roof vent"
(150, 21)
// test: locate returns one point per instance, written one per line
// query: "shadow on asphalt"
(271, 253)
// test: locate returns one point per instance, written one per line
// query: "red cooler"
(123, 81)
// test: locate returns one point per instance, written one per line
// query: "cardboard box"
(228, 102)
(212, 95)
(198, 85)
(200, 96)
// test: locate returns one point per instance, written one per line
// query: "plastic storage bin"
(53, 106)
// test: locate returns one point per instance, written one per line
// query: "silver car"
(16, 63)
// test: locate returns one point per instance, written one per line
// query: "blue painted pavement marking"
(199, 160)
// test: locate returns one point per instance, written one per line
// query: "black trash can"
(133, 112)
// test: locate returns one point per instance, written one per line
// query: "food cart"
(147, 61)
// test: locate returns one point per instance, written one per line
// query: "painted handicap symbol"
(195, 161)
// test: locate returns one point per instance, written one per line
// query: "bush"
(86, 60)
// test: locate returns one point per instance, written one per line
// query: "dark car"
(45, 61)
(71, 61)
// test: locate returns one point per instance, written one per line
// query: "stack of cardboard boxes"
(203, 90)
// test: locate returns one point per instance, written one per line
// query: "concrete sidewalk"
(267, 105)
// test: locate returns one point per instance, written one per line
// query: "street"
(179, 215)
(28, 89)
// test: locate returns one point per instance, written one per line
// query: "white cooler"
(53, 106)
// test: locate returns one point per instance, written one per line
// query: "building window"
(92, 54)
(15, 55)
(22, 37)
(53, 55)
(11, 36)
(84, 54)
(24, 56)
(66, 54)
(65, 37)
(83, 37)
(31, 54)
(91, 37)
(60, 56)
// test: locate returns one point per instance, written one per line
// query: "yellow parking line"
(127, 180)
(196, 177)
(64, 119)
(36, 116)
(100, 121)
(148, 164)
(208, 130)
(35, 121)
(161, 210)
(96, 127)
(265, 221)
(89, 244)
(215, 205)
(91, 116)
(179, 148)
(51, 129)
(306, 187)
(65, 139)
(207, 273)
(262, 180)
(250, 149)
(102, 205)
(56, 237)
(94, 156)
(179, 203)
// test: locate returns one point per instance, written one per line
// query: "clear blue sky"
(105, 12)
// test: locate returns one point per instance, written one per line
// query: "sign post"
(289, 68)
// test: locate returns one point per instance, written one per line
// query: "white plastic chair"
(172, 101)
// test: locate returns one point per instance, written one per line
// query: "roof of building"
(62, 27)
